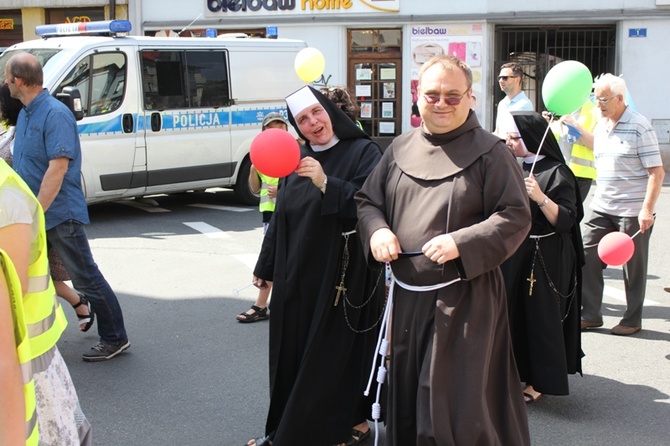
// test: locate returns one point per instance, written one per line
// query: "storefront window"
(11, 30)
(74, 15)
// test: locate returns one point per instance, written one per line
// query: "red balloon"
(616, 248)
(275, 153)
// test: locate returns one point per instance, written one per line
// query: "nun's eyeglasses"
(512, 138)
(452, 100)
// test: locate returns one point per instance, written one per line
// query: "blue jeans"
(71, 243)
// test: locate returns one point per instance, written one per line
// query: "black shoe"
(104, 351)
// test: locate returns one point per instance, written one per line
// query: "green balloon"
(566, 87)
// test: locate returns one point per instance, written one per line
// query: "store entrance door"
(375, 79)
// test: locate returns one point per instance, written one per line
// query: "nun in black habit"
(326, 301)
(543, 278)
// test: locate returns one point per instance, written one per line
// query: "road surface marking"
(221, 208)
(621, 295)
(208, 230)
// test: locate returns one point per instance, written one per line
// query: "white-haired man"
(629, 176)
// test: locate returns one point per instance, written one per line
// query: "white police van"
(164, 115)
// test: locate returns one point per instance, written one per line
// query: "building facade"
(376, 47)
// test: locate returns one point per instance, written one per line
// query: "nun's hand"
(533, 189)
(311, 168)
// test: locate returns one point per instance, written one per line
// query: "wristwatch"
(546, 200)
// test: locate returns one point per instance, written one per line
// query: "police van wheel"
(242, 192)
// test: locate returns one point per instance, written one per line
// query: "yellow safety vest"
(266, 204)
(44, 315)
(22, 347)
(582, 162)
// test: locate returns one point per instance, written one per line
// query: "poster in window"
(387, 74)
(387, 109)
(366, 110)
(363, 91)
(387, 127)
(389, 90)
(363, 74)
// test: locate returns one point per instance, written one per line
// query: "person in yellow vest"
(574, 133)
(266, 187)
(18, 420)
(23, 238)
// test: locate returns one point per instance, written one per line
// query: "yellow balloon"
(309, 64)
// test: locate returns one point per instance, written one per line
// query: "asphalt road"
(194, 376)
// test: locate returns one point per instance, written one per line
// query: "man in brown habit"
(446, 206)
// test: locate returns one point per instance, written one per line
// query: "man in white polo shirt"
(629, 176)
(510, 80)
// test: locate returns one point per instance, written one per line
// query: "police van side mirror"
(71, 97)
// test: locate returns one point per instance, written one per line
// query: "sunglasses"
(504, 78)
(449, 100)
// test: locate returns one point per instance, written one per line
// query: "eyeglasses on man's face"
(452, 100)
(604, 101)
(504, 78)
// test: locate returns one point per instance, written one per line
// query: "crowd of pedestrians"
(422, 212)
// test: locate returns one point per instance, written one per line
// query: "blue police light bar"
(81, 28)
(271, 32)
(211, 32)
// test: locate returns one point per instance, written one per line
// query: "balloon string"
(541, 144)
(236, 291)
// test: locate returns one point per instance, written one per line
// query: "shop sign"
(215, 7)
(6, 24)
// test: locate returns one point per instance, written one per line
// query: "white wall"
(330, 40)
(646, 67)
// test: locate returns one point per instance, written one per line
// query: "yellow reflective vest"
(579, 158)
(43, 313)
(582, 162)
(266, 204)
(22, 346)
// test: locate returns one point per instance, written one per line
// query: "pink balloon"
(275, 153)
(616, 248)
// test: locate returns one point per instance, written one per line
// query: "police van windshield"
(49, 59)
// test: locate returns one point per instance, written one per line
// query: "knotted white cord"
(383, 344)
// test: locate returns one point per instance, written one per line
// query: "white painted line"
(208, 230)
(151, 206)
(221, 208)
(621, 295)
(248, 259)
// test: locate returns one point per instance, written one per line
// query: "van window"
(185, 79)
(101, 80)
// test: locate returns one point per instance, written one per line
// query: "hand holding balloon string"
(311, 168)
(617, 248)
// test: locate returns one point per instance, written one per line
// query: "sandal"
(530, 399)
(358, 437)
(259, 314)
(85, 320)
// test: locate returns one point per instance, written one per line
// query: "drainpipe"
(112, 9)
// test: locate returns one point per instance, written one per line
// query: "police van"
(164, 115)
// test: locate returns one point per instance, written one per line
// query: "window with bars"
(539, 48)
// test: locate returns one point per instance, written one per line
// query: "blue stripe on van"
(109, 126)
(175, 121)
